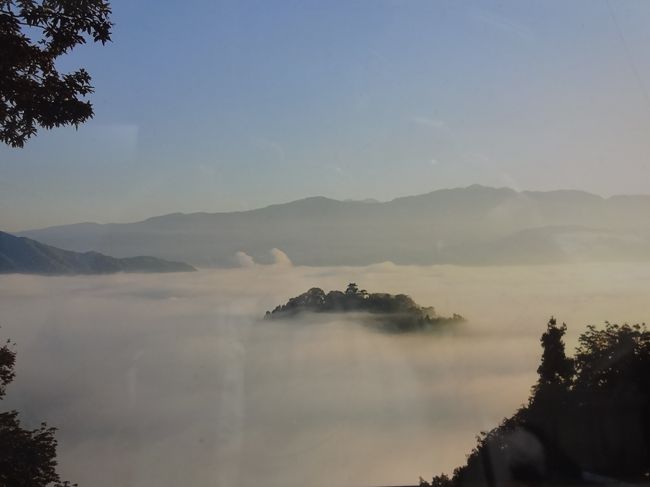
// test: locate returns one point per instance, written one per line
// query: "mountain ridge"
(476, 225)
(367, 201)
(21, 255)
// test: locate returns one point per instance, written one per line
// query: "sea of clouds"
(173, 379)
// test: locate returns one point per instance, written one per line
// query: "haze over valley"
(175, 378)
(324, 243)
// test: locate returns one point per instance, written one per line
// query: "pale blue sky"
(208, 105)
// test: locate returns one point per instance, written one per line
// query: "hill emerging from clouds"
(394, 313)
(472, 226)
(25, 256)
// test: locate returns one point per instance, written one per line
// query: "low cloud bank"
(175, 379)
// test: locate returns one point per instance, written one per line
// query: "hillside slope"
(26, 256)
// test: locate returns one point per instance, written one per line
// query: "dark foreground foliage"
(27, 457)
(34, 34)
(391, 312)
(586, 422)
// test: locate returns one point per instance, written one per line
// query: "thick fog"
(172, 379)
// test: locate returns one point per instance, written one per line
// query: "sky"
(229, 105)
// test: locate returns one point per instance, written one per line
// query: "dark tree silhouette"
(587, 419)
(555, 367)
(33, 34)
(352, 289)
(27, 457)
(397, 313)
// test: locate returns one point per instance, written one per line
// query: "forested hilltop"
(587, 420)
(392, 312)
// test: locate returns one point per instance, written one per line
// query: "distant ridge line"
(477, 225)
(366, 201)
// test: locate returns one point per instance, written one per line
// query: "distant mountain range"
(25, 256)
(476, 225)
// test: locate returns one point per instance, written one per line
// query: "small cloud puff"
(244, 259)
(280, 258)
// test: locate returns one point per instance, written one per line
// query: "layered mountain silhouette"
(476, 225)
(25, 256)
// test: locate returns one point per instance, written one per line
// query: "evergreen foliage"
(27, 457)
(33, 35)
(390, 312)
(587, 420)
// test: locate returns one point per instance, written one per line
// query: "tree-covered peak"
(397, 312)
